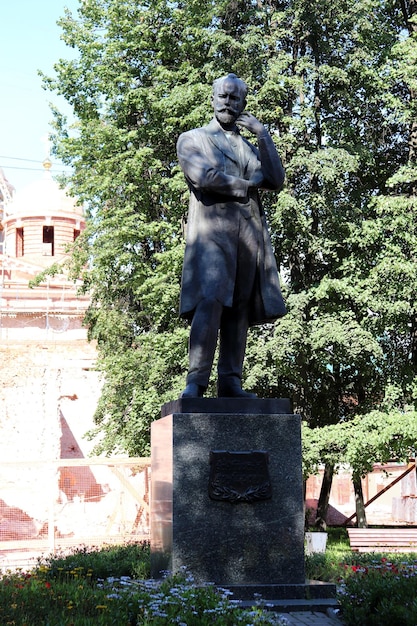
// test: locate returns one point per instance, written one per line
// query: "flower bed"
(62, 592)
(111, 586)
(379, 592)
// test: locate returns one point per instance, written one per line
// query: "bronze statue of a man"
(230, 279)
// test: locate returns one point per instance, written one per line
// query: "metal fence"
(53, 506)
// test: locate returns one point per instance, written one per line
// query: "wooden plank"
(384, 534)
(133, 492)
(378, 531)
(70, 542)
(383, 540)
(87, 461)
(397, 550)
(395, 542)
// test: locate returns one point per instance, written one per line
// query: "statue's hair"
(242, 85)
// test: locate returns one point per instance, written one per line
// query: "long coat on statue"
(218, 166)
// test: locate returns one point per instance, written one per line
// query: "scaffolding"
(88, 502)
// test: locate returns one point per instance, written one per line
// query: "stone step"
(321, 605)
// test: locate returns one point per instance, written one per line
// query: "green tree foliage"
(350, 140)
(335, 85)
(377, 437)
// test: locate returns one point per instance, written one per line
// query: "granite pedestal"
(247, 546)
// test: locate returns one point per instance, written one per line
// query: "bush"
(31, 599)
(373, 589)
(132, 559)
(380, 592)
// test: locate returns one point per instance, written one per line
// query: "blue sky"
(30, 40)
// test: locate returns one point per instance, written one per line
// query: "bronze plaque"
(239, 476)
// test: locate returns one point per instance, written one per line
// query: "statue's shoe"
(193, 390)
(234, 391)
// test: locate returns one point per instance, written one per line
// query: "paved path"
(309, 618)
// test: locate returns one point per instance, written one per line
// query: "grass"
(111, 586)
(327, 566)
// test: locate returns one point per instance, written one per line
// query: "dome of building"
(43, 197)
(41, 221)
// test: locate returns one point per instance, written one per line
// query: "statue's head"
(228, 99)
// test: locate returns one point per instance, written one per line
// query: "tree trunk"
(323, 503)
(359, 504)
